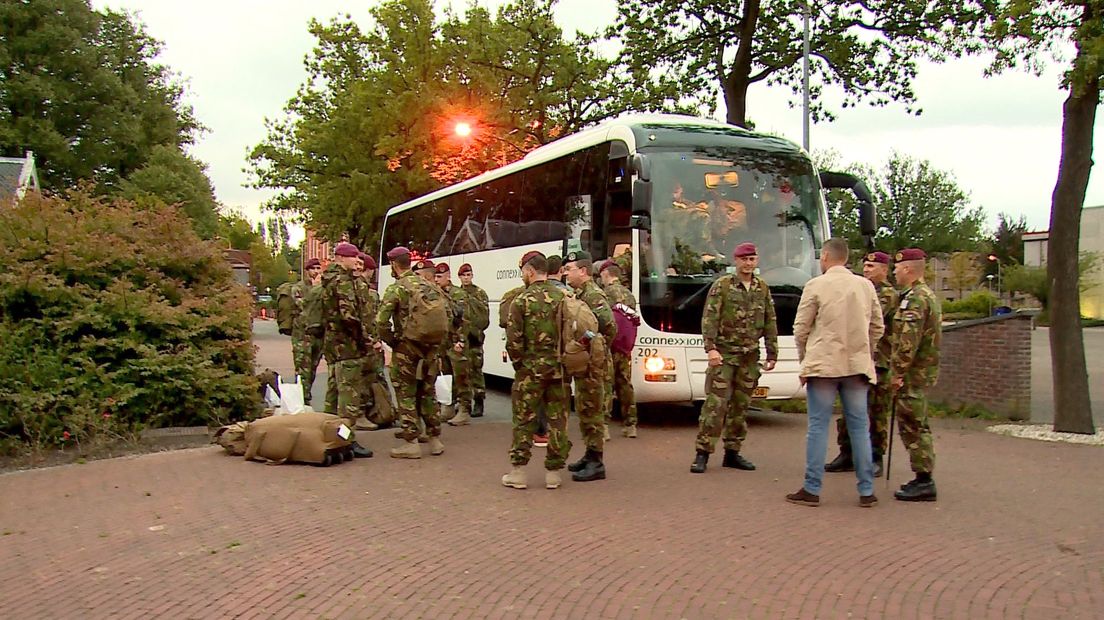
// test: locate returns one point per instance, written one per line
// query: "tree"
(687, 51)
(1023, 33)
(179, 180)
(918, 206)
(1036, 282)
(236, 231)
(964, 271)
(82, 90)
(375, 123)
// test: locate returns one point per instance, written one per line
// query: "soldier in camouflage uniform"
(914, 367)
(414, 366)
(343, 299)
(373, 359)
(306, 350)
(738, 313)
(610, 273)
(876, 269)
(533, 344)
(590, 390)
(457, 360)
(479, 311)
(315, 327)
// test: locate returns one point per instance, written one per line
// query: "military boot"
(360, 451)
(552, 480)
(364, 424)
(463, 418)
(700, 462)
(408, 450)
(605, 432)
(593, 470)
(477, 407)
(842, 462)
(436, 446)
(878, 467)
(515, 479)
(448, 412)
(733, 459)
(629, 431)
(917, 491)
(581, 463)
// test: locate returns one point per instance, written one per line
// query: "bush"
(115, 317)
(977, 304)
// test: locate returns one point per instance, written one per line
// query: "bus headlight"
(653, 365)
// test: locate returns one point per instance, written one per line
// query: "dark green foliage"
(976, 305)
(115, 317)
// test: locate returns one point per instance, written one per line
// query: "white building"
(1092, 240)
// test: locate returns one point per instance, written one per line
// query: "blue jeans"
(821, 393)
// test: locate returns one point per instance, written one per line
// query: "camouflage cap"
(346, 249)
(312, 263)
(745, 249)
(910, 254)
(877, 257)
(465, 268)
(577, 255)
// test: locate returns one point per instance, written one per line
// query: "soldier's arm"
(606, 325)
(371, 310)
(384, 329)
(907, 336)
(711, 315)
(770, 329)
(515, 331)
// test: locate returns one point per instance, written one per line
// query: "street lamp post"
(1000, 290)
(990, 279)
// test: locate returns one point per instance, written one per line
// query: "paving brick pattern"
(197, 534)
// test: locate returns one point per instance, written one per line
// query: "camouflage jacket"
(532, 332)
(736, 317)
(624, 261)
(888, 298)
(618, 294)
(478, 310)
(461, 319)
(292, 296)
(344, 297)
(917, 331)
(504, 306)
(593, 296)
(395, 306)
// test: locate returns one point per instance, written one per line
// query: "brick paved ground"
(197, 534)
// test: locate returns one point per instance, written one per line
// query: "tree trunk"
(734, 83)
(1072, 407)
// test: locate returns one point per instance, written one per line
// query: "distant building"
(241, 261)
(17, 176)
(315, 247)
(1091, 240)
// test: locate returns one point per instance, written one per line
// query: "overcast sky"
(1000, 137)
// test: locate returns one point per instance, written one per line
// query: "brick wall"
(987, 362)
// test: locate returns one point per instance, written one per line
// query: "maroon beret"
(347, 250)
(910, 254)
(465, 268)
(397, 252)
(745, 249)
(606, 265)
(877, 257)
(425, 263)
(312, 263)
(369, 262)
(442, 268)
(527, 257)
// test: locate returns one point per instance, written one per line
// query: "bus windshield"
(708, 201)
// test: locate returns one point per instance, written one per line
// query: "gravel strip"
(1043, 432)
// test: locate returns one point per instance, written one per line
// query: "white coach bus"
(678, 193)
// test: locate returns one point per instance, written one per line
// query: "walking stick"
(889, 452)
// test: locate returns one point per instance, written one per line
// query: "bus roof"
(656, 130)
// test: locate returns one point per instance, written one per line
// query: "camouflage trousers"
(607, 389)
(474, 353)
(912, 424)
(373, 374)
(458, 367)
(878, 407)
(305, 354)
(623, 386)
(590, 399)
(414, 374)
(351, 386)
(530, 394)
(728, 389)
(331, 386)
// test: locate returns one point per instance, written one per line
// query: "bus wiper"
(693, 297)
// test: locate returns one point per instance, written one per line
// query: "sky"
(999, 136)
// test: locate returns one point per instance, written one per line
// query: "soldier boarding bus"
(670, 197)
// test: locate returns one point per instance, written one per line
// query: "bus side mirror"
(641, 205)
(868, 215)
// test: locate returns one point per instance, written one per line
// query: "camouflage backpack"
(427, 320)
(504, 305)
(581, 346)
(285, 308)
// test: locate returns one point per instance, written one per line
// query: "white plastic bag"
(443, 388)
(291, 397)
(272, 399)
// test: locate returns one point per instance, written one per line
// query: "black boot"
(361, 452)
(878, 469)
(733, 459)
(917, 491)
(842, 462)
(700, 461)
(593, 470)
(477, 407)
(581, 463)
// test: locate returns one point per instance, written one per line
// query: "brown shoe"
(868, 501)
(803, 498)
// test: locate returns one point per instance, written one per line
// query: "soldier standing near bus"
(610, 273)
(739, 312)
(459, 413)
(373, 359)
(533, 344)
(590, 389)
(479, 311)
(880, 407)
(306, 350)
(343, 297)
(913, 368)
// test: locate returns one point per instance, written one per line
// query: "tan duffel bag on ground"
(307, 437)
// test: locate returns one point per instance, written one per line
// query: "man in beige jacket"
(838, 324)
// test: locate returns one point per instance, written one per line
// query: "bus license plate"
(760, 392)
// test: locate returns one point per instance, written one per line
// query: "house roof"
(17, 174)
